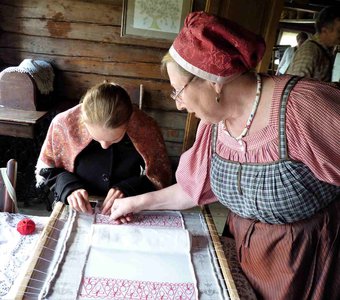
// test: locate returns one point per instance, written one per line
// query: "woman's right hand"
(111, 196)
(122, 209)
(79, 201)
(172, 197)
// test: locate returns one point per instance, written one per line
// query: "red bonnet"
(216, 49)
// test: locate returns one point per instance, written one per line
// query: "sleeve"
(304, 61)
(61, 183)
(193, 172)
(66, 183)
(51, 149)
(313, 126)
(45, 164)
(135, 186)
(285, 61)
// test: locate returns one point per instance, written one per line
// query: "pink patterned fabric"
(68, 136)
(149, 220)
(312, 136)
(120, 289)
(214, 48)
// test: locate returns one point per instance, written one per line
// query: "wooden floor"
(218, 211)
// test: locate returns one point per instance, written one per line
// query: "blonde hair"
(167, 58)
(106, 104)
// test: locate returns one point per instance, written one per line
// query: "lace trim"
(15, 251)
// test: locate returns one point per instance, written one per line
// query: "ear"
(327, 28)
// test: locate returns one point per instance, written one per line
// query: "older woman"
(268, 148)
(103, 147)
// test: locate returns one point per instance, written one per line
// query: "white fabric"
(9, 187)
(210, 282)
(336, 68)
(143, 255)
(15, 249)
(58, 233)
(60, 250)
(70, 270)
(40, 180)
(40, 70)
(137, 239)
(150, 244)
(286, 60)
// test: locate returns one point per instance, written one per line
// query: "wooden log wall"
(81, 39)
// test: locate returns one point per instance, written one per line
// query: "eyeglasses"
(175, 95)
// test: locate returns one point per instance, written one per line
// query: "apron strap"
(214, 138)
(283, 152)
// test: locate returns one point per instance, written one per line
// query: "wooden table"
(20, 123)
(204, 256)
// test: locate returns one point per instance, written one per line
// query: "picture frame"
(154, 19)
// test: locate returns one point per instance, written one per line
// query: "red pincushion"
(26, 226)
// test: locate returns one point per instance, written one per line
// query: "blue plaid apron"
(280, 192)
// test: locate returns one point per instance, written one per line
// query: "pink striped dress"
(292, 260)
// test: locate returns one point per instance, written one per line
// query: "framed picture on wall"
(154, 19)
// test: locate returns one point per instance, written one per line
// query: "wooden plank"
(228, 278)
(19, 123)
(73, 30)
(270, 23)
(17, 130)
(156, 95)
(259, 16)
(100, 12)
(91, 65)
(173, 149)
(173, 135)
(173, 120)
(156, 92)
(249, 14)
(190, 131)
(11, 115)
(78, 83)
(79, 48)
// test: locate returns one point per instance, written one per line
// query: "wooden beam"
(269, 34)
(190, 131)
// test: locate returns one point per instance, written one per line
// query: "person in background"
(336, 66)
(314, 59)
(267, 147)
(289, 53)
(102, 147)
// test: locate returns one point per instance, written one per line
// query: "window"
(287, 37)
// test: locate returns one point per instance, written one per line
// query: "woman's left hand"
(111, 196)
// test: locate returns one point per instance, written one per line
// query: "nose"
(105, 145)
(180, 105)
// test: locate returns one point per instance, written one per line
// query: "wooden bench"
(18, 106)
(19, 123)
